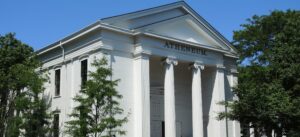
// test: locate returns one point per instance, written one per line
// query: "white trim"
(57, 66)
(84, 56)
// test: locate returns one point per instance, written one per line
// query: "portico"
(175, 97)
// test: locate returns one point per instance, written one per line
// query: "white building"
(174, 69)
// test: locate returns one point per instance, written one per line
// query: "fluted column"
(197, 111)
(170, 115)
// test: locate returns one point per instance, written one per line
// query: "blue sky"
(42, 22)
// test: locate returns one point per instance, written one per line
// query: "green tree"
(98, 107)
(34, 108)
(23, 108)
(269, 77)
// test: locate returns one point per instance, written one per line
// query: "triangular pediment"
(176, 20)
(184, 28)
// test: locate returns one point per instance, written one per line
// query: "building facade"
(174, 69)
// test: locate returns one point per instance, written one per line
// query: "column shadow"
(208, 81)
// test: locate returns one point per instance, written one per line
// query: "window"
(57, 82)
(163, 128)
(84, 72)
(56, 125)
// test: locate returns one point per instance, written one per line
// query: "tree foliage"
(23, 109)
(98, 112)
(269, 77)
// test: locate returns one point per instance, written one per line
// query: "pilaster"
(141, 106)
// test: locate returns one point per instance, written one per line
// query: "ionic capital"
(170, 61)
(197, 65)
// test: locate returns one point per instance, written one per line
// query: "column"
(220, 96)
(233, 82)
(141, 113)
(197, 100)
(169, 98)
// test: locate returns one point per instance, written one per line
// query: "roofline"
(99, 24)
(143, 10)
(190, 9)
(89, 28)
(211, 27)
(68, 37)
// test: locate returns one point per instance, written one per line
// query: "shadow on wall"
(208, 82)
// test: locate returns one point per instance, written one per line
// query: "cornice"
(227, 53)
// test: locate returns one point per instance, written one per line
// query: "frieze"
(184, 48)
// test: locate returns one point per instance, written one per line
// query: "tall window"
(84, 71)
(56, 125)
(163, 128)
(57, 82)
